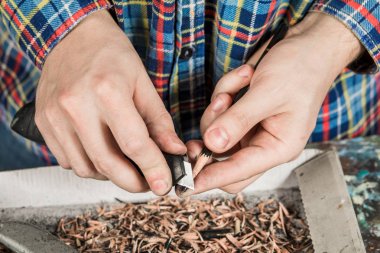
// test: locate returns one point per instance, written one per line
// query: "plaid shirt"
(187, 46)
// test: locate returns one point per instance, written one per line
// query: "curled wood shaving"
(173, 225)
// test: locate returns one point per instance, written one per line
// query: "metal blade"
(329, 211)
(187, 181)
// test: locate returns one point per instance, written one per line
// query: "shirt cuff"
(39, 26)
(362, 20)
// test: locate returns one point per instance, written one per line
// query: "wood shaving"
(174, 225)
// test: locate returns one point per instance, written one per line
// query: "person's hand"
(273, 121)
(95, 105)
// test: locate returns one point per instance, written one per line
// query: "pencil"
(202, 161)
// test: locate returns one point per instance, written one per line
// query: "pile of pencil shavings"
(174, 225)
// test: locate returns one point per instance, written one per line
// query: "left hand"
(273, 121)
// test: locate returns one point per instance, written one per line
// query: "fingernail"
(244, 71)
(160, 186)
(218, 137)
(217, 104)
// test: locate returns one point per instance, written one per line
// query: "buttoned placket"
(187, 83)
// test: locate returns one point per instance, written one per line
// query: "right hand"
(96, 104)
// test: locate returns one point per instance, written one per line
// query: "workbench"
(44, 194)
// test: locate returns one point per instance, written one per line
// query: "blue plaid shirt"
(187, 46)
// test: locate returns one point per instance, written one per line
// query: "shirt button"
(186, 53)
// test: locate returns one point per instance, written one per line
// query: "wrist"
(98, 29)
(328, 37)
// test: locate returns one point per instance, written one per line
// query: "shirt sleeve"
(37, 26)
(363, 19)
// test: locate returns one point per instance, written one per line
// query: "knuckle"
(220, 85)
(69, 105)
(133, 146)
(66, 100)
(162, 138)
(165, 117)
(83, 172)
(51, 114)
(63, 163)
(242, 120)
(103, 87)
(102, 166)
(162, 116)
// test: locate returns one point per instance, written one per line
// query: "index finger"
(131, 134)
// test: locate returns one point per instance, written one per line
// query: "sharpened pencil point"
(205, 152)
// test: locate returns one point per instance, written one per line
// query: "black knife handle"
(23, 123)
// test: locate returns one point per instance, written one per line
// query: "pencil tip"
(206, 152)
